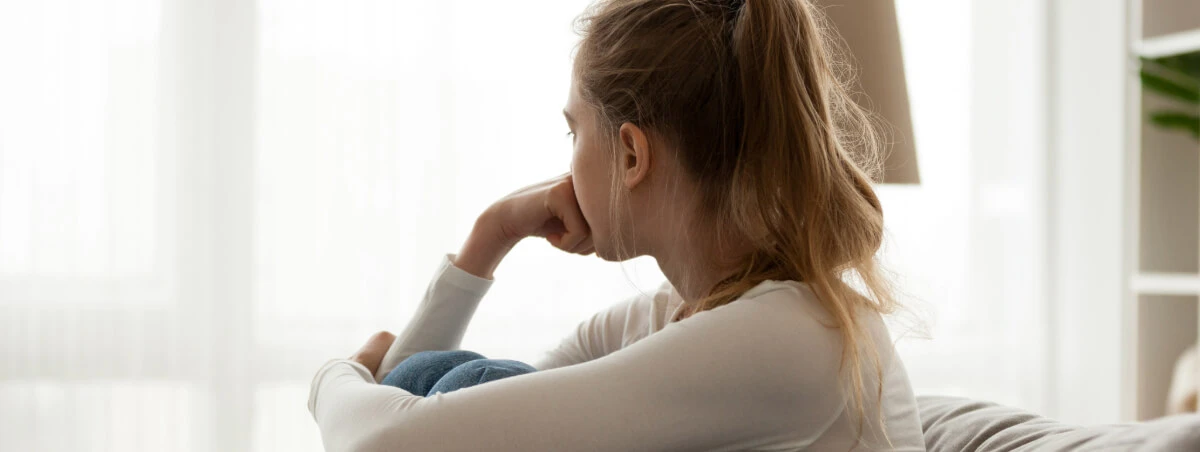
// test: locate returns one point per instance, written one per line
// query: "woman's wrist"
(484, 248)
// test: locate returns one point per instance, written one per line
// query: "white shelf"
(1161, 314)
(1166, 283)
(1167, 45)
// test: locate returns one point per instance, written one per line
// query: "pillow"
(958, 424)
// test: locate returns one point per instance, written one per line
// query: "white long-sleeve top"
(760, 373)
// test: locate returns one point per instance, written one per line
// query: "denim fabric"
(430, 372)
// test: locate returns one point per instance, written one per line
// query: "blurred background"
(202, 201)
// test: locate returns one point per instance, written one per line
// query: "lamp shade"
(872, 37)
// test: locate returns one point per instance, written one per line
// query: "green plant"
(1176, 77)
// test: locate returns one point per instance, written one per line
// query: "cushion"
(959, 424)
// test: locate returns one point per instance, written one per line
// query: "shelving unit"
(1163, 239)
(1172, 44)
(1150, 283)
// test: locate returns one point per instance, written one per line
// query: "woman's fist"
(547, 209)
(371, 354)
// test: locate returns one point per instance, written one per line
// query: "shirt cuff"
(333, 365)
(461, 278)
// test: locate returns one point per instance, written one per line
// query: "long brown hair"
(755, 98)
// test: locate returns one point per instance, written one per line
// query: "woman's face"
(590, 171)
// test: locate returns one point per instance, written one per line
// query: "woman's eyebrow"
(570, 120)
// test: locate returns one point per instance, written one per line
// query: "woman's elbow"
(377, 438)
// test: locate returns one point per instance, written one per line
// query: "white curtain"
(203, 200)
(969, 243)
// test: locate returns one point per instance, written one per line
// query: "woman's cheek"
(585, 194)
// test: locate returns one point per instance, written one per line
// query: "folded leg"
(418, 373)
(479, 371)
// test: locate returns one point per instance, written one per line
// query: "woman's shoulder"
(802, 300)
(790, 314)
(780, 300)
(781, 335)
(774, 317)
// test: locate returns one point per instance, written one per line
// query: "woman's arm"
(442, 316)
(742, 376)
(596, 337)
(547, 209)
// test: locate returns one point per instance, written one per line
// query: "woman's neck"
(694, 267)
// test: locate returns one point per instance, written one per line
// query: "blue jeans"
(430, 372)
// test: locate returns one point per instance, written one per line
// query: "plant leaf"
(1177, 121)
(1170, 88)
(1184, 64)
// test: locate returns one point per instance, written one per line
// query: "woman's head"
(744, 106)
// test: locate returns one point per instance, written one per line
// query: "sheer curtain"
(202, 201)
(968, 244)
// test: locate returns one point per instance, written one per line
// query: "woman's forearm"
(484, 248)
(442, 316)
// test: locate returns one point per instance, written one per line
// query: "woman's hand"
(371, 354)
(546, 209)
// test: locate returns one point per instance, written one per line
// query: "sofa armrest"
(959, 424)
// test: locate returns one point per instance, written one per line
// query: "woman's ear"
(635, 154)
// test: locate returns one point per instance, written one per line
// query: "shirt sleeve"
(595, 337)
(737, 377)
(442, 316)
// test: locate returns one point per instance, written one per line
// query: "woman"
(717, 137)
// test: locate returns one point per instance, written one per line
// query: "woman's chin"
(611, 255)
(605, 253)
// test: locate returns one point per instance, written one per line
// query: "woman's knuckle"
(382, 335)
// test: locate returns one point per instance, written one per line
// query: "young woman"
(717, 137)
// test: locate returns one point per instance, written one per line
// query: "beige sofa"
(958, 424)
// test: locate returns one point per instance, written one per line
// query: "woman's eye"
(571, 134)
